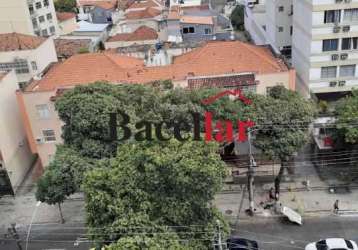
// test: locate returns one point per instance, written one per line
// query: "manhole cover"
(228, 211)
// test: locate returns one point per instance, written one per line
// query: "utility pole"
(250, 177)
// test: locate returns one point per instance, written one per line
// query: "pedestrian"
(277, 188)
(336, 207)
(272, 194)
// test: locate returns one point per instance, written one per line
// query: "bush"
(237, 17)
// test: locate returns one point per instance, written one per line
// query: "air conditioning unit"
(341, 83)
(332, 84)
(344, 56)
(347, 1)
(40, 140)
(335, 57)
(346, 28)
(336, 29)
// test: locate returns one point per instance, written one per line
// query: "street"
(275, 234)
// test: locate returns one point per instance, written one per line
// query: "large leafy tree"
(347, 115)
(168, 183)
(282, 125)
(65, 5)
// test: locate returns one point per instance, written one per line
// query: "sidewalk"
(20, 210)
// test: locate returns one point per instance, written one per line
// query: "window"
(291, 30)
(330, 45)
(34, 23)
(264, 27)
(188, 30)
(280, 29)
(328, 72)
(43, 111)
(38, 5)
(349, 43)
(207, 31)
(347, 70)
(20, 66)
(31, 9)
(44, 32)
(52, 30)
(49, 16)
(41, 19)
(332, 16)
(350, 15)
(34, 65)
(49, 135)
(37, 33)
(46, 3)
(280, 9)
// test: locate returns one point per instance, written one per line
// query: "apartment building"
(31, 17)
(28, 55)
(15, 154)
(270, 22)
(325, 45)
(237, 65)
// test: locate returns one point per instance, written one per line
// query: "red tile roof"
(145, 4)
(104, 4)
(141, 34)
(142, 14)
(16, 41)
(64, 16)
(215, 58)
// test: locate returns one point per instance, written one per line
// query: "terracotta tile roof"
(215, 58)
(69, 47)
(174, 13)
(197, 20)
(141, 34)
(145, 4)
(64, 16)
(16, 41)
(104, 4)
(142, 14)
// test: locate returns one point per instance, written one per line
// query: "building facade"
(28, 55)
(15, 154)
(238, 65)
(325, 43)
(31, 17)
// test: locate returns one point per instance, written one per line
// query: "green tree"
(55, 185)
(168, 183)
(238, 17)
(347, 118)
(65, 5)
(283, 120)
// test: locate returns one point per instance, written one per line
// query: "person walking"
(336, 207)
(272, 194)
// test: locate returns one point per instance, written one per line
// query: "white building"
(31, 17)
(270, 22)
(28, 55)
(325, 45)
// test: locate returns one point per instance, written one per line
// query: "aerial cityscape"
(178, 124)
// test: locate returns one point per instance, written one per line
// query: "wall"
(68, 26)
(131, 25)
(100, 15)
(199, 34)
(285, 79)
(118, 44)
(15, 17)
(36, 125)
(14, 147)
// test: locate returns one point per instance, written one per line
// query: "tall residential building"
(270, 22)
(31, 17)
(325, 45)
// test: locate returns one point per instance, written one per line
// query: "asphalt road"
(282, 235)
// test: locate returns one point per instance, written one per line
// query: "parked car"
(241, 244)
(332, 244)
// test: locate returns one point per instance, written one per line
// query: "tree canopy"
(65, 5)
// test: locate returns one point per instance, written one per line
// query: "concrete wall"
(100, 15)
(68, 26)
(119, 44)
(15, 17)
(15, 151)
(199, 34)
